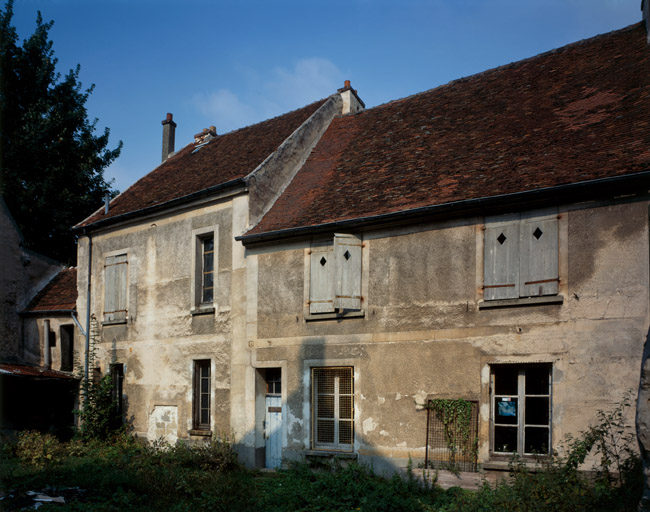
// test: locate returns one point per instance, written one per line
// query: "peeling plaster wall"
(423, 334)
(162, 338)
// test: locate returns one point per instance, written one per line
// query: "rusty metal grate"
(447, 447)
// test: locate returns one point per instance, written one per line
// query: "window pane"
(325, 381)
(345, 432)
(345, 381)
(345, 407)
(208, 262)
(208, 244)
(205, 401)
(207, 295)
(505, 380)
(325, 431)
(505, 410)
(505, 439)
(537, 411)
(536, 440)
(325, 406)
(205, 417)
(208, 280)
(205, 385)
(537, 380)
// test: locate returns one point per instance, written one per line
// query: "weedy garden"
(109, 470)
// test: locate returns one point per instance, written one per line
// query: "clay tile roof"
(571, 115)
(225, 158)
(60, 294)
(23, 370)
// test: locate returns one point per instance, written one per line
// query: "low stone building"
(312, 283)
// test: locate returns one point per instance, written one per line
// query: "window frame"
(198, 377)
(521, 399)
(199, 236)
(117, 316)
(336, 444)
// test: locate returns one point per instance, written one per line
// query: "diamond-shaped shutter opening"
(323, 261)
(347, 255)
(538, 233)
(501, 238)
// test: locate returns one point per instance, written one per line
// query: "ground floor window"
(521, 409)
(201, 395)
(333, 408)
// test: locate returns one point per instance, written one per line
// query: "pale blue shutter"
(501, 258)
(321, 278)
(115, 281)
(347, 252)
(538, 272)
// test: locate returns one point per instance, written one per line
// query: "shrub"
(38, 449)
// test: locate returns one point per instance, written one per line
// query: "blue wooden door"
(273, 431)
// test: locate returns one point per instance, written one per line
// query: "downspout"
(47, 353)
(90, 265)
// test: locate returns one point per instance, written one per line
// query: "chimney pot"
(346, 84)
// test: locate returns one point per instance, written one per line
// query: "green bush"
(37, 449)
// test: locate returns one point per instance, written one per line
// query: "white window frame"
(115, 316)
(518, 267)
(198, 235)
(337, 418)
(521, 400)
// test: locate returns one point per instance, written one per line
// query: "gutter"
(602, 187)
(84, 230)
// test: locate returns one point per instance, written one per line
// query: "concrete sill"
(202, 311)
(504, 465)
(311, 317)
(325, 454)
(200, 433)
(527, 301)
(114, 322)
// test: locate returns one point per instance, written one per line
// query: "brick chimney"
(351, 101)
(169, 136)
(206, 135)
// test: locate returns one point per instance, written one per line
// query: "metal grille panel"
(439, 455)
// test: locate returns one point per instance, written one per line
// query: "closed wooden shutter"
(538, 272)
(321, 278)
(115, 279)
(347, 252)
(501, 260)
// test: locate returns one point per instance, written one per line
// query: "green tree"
(51, 162)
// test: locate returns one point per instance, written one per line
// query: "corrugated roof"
(571, 115)
(60, 294)
(223, 159)
(22, 370)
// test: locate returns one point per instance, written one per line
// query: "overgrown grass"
(126, 475)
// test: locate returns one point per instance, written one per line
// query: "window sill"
(207, 310)
(507, 465)
(326, 453)
(114, 322)
(311, 317)
(200, 433)
(526, 301)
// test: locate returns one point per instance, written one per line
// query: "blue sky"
(233, 63)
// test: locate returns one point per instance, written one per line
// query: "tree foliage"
(51, 161)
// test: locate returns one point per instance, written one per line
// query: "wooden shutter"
(501, 258)
(321, 278)
(347, 254)
(115, 272)
(538, 272)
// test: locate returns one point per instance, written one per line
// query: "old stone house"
(309, 283)
(37, 332)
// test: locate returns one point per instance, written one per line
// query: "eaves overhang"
(637, 183)
(237, 186)
(48, 312)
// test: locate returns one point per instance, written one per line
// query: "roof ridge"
(510, 65)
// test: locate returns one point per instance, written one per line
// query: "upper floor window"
(521, 256)
(207, 271)
(115, 288)
(335, 275)
(204, 269)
